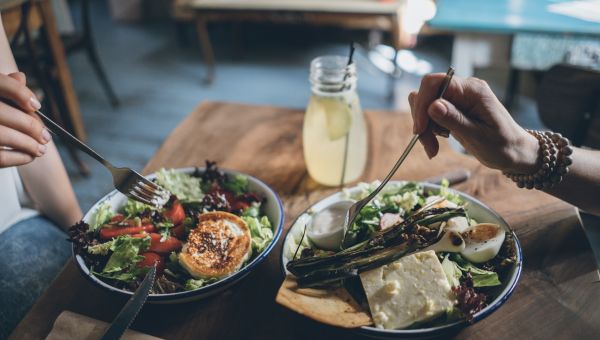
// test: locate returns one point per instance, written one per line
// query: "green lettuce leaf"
(134, 208)
(126, 276)
(488, 279)
(481, 277)
(253, 210)
(192, 284)
(101, 249)
(452, 271)
(164, 229)
(125, 253)
(261, 232)
(185, 187)
(238, 184)
(102, 216)
(449, 194)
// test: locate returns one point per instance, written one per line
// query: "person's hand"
(22, 136)
(477, 119)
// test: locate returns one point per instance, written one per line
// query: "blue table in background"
(508, 17)
(515, 34)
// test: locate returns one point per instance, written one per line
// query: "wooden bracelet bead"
(554, 159)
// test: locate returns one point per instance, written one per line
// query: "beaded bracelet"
(555, 159)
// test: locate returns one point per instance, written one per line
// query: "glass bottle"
(334, 134)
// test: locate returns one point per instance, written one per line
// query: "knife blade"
(131, 308)
(453, 177)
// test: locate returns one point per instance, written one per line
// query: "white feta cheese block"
(412, 289)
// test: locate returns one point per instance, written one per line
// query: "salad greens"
(117, 245)
(261, 232)
(449, 194)
(452, 271)
(103, 214)
(481, 277)
(238, 184)
(193, 284)
(187, 188)
(402, 219)
(133, 208)
(124, 256)
(394, 199)
(125, 250)
(164, 229)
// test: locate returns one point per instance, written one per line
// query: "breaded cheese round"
(218, 247)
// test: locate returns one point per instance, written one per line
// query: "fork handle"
(69, 138)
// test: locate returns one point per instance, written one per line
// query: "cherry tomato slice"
(109, 232)
(150, 259)
(165, 247)
(178, 231)
(176, 213)
(117, 218)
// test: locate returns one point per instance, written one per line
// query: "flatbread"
(334, 307)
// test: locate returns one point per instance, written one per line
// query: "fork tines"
(148, 192)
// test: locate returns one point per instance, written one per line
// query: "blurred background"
(122, 74)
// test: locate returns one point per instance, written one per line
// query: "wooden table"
(350, 14)
(556, 298)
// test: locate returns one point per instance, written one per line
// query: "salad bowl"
(475, 210)
(272, 208)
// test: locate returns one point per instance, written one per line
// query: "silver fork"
(355, 208)
(127, 181)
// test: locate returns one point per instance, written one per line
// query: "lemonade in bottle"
(334, 133)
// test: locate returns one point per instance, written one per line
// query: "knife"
(453, 177)
(131, 308)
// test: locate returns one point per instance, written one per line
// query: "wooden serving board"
(557, 296)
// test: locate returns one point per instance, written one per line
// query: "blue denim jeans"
(33, 253)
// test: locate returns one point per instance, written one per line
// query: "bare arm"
(40, 166)
(581, 186)
(48, 185)
(477, 119)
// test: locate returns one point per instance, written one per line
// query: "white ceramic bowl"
(476, 210)
(273, 209)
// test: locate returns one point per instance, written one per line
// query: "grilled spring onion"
(383, 247)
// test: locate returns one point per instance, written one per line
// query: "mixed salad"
(388, 240)
(119, 244)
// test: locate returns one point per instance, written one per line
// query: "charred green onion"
(381, 248)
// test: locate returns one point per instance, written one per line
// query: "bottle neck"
(331, 75)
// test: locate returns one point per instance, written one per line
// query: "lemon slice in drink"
(338, 115)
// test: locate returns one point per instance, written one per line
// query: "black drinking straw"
(350, 56)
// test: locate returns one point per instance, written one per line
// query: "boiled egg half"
(482, 242)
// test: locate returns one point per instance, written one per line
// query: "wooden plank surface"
(556, 298)
(332, 6)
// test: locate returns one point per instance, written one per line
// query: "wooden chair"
(84, 40)
(50, 73)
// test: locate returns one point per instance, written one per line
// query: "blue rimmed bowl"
(476, 210)
(273, 209)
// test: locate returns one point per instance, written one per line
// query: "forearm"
(581, 186)
(48, 185)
